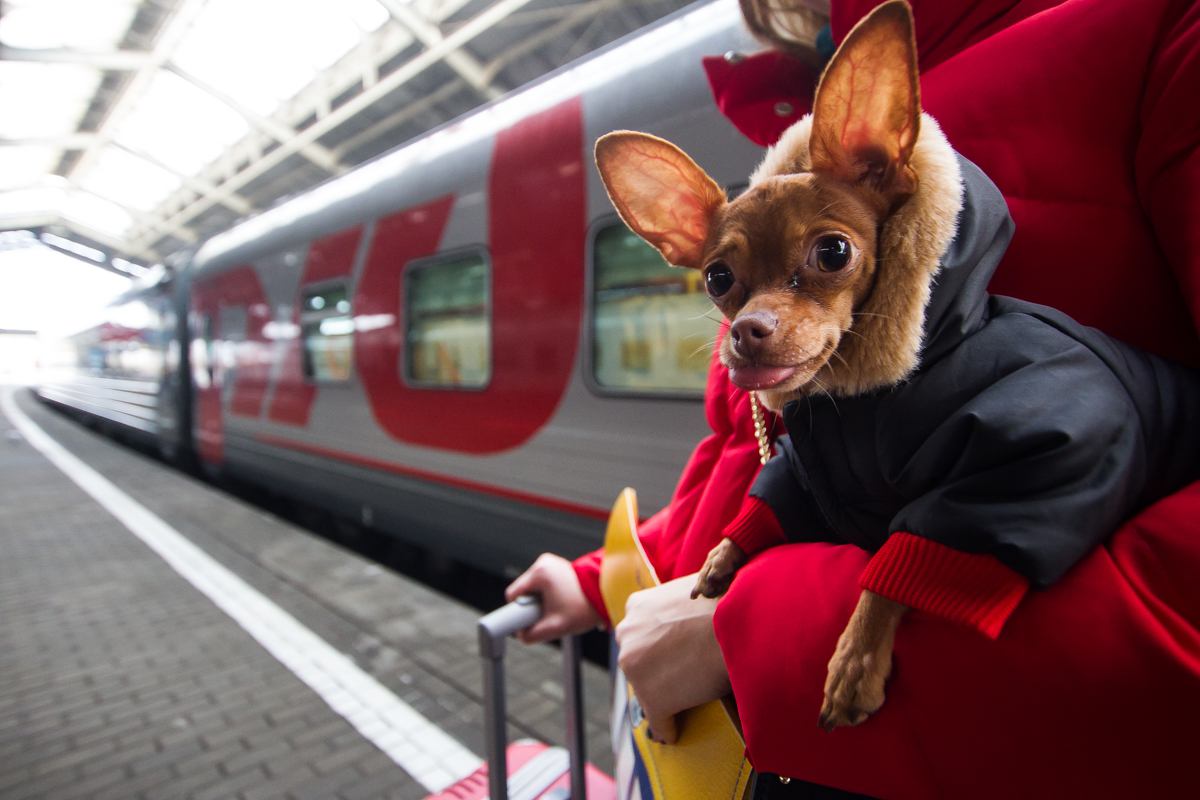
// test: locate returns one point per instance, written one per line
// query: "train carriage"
(123, 369)
(459, 342)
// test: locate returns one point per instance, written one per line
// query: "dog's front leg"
(862, 662)
(722, 563)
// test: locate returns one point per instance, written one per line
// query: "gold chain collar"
(760, 429)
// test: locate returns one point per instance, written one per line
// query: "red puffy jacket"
(1086, 114)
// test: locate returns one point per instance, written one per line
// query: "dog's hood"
(937, 254)
(958, 303)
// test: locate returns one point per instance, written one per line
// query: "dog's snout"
(750, 332)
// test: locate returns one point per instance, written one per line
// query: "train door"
(317, 352)
(167, 413)
(209, 434)
(230, 354)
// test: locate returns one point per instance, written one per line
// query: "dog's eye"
(718, 278)
(832, 253)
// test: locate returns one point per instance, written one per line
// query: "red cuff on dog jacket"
(755, 528)
(973, 589)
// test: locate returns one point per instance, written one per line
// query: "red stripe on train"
(458, 483)
(537, 221)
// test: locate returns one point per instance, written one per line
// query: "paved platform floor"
(120, 679)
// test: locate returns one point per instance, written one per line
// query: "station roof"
(134, 129)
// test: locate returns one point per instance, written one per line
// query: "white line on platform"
(420, 748)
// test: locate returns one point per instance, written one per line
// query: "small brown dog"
(792, 261)
(922, 412)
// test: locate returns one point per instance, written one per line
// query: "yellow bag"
(708, 760)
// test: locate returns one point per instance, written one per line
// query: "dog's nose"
(751, 331)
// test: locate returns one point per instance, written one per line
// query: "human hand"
(565, 608)
(669, 653)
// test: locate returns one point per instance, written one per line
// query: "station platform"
(162, 639)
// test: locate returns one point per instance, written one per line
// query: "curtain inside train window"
(449, 330)
(652, 324)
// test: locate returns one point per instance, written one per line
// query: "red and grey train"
(458, 342)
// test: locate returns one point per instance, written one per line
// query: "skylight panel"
(368, 15)
(127, 180)
(25, 166)
(43, 100)
(96, 213)
(263, 52)
(180, 125)
(95, 25)
(322, 38)
(30, 202)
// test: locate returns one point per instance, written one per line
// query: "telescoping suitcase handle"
(494, 630)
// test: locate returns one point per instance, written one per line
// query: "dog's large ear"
(660, 193)
(867, 110)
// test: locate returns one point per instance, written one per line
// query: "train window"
(652, 324)
(449, 333)
(327, 329)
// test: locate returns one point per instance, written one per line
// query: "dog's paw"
(854, 685)
(712, 581)
(719, 568)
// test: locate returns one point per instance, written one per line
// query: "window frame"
(306, 317)
(427, 262)
(598, 226)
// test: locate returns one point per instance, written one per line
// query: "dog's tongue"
(760, 377)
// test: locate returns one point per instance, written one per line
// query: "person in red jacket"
(1084, 113)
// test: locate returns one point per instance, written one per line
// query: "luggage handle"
(494, 630)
